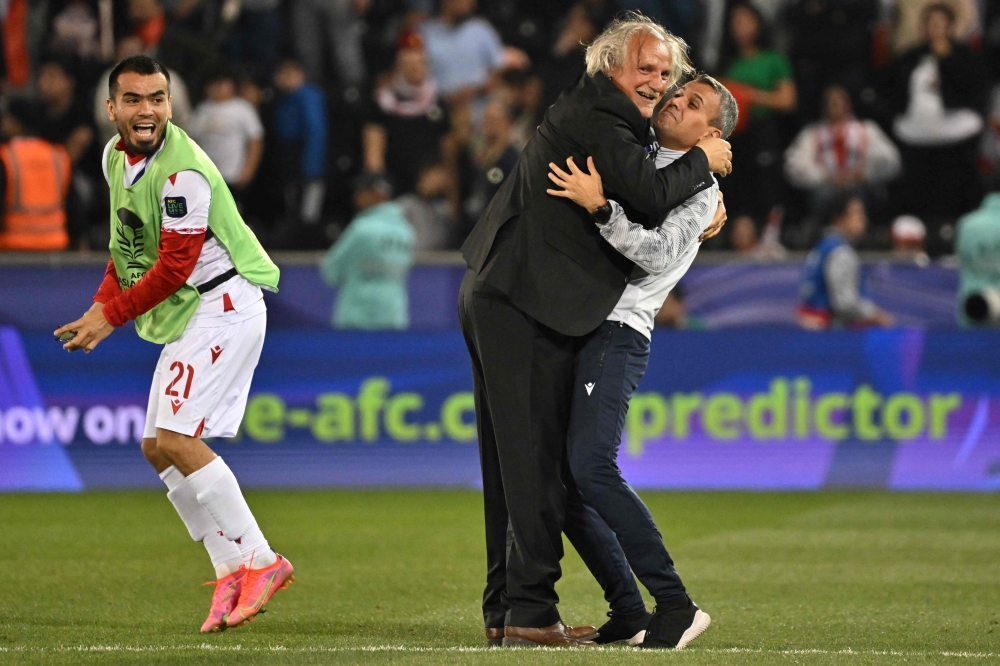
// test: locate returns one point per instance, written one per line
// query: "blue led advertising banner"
(736, 409)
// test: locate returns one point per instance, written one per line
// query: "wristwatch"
(602, 215)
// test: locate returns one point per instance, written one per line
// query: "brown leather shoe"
(582, 633)
(558, 635)
(494, 635)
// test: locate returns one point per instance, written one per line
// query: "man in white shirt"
(840, 152)
(614, 357)
(229, 130)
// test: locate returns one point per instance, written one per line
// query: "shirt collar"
(665, 156)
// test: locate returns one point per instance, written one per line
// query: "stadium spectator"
(149, 21)
(256, 36)
(978, 249)
(228, 129)
(938, 89)
(34, 181)
(830, 40)
(909, 238)
(910, 18)
(761, 79)
(180, 100)
(990, 150)
(370, 261)
(833, 288)
(565, 63)
(490, 160)
(743, 235)
(465, 52)
(65, 119)
(841, 152)
(333, 27)
(64, 113)
(409, 125)
(16, 61)
(429, 210)
(75, 31)
(174, 42)
(300, 124)
(524, 94)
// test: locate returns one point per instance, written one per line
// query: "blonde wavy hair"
(607, 52)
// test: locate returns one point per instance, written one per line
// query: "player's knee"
(172, 444)
(150, 449)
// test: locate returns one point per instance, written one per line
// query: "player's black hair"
(137, 64)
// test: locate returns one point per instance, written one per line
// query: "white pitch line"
(260, 649)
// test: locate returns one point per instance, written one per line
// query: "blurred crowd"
(410, 113)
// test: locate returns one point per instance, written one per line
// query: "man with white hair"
(541, 278)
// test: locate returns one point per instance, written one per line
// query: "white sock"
(225, 555)
(218, 491)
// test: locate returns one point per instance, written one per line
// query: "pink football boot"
(258, 588)
(224, 600)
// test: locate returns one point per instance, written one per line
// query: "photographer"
(978, 249)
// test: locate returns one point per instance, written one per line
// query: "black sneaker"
(675, 627)
(630, 628)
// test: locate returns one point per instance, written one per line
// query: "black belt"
(217, 280)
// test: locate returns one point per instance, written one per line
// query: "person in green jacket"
(371, 260)
(187, 269)
(978, 249)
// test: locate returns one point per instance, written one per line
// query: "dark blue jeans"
(608, 370)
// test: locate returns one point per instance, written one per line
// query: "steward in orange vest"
(34, 182)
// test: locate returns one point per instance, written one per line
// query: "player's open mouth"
(145, 131)
(651, 96)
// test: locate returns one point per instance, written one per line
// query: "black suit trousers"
(523, 375)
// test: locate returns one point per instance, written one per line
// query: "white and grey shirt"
(665, 252)
(842, 272)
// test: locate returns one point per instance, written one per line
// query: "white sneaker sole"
(697, 628)
(638, 638)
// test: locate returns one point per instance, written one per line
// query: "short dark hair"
(221, 73)
(835, 207)
(729, 112)
(137, 64)
(63, 63)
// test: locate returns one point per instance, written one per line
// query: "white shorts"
(202, 380)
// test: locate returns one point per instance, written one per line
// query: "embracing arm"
(631, 175)
(654, 250)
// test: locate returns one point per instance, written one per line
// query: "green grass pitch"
(394, 577)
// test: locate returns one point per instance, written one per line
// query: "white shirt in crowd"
(224, 130)
(926, 121)
(245, 297)
(665, 253)
(818, 153)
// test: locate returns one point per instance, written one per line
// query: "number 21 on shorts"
(180, 369)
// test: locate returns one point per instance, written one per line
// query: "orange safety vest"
(38, 175)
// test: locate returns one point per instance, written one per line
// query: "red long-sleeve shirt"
(178, 254)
